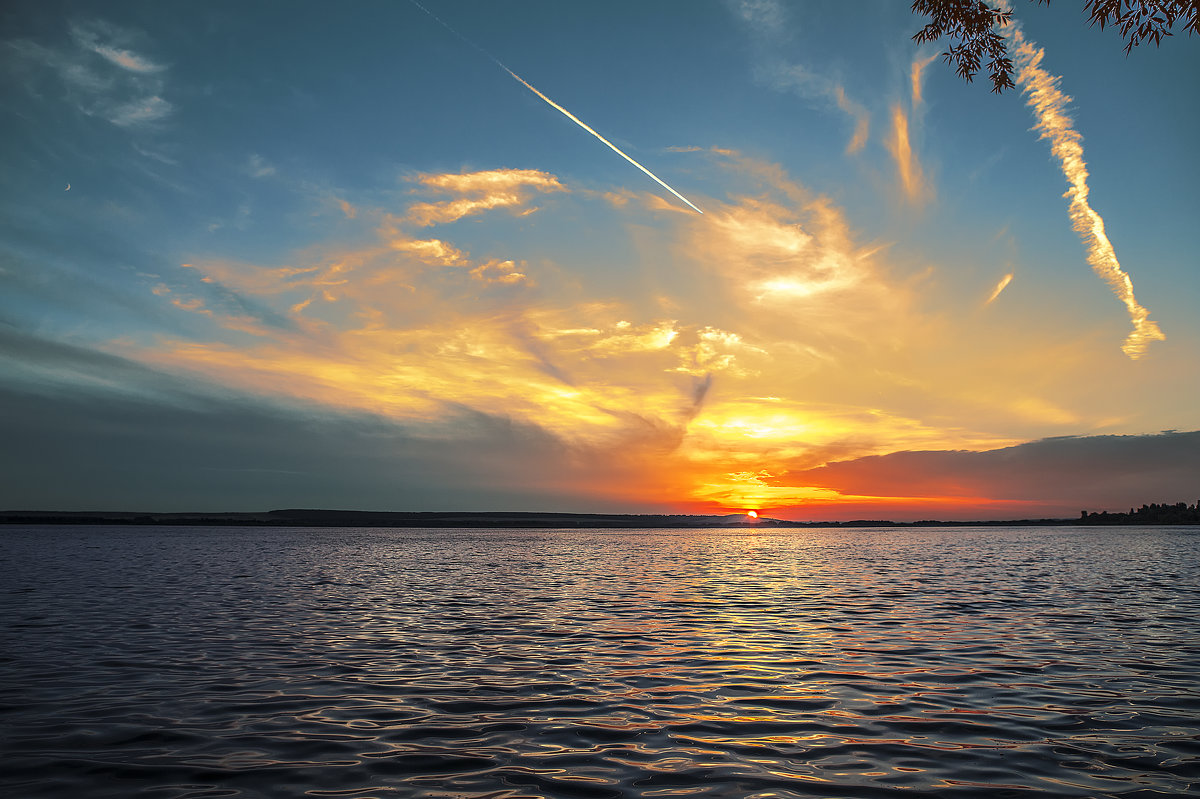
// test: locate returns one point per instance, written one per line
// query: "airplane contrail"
(1049, 107)
(556, 106)
(585, 126)
(1003, 284)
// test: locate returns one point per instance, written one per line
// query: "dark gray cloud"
(84, 429)
(88, 430)
(1084, 471)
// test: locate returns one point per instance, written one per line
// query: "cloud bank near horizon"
(184, 445)
(514, 372)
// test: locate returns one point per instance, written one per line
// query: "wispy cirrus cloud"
(418, 329)
(800, 80)
(393, 272)
(908, 164)
(433, 251)
(492, 181)
(478, 192)
(142, 111)
(108, 41)
(103, 74)
(862, 120)
(258, 167)
(128, 59)
(916, 77)
(768, 19)
(766, 16)
(773, 347)
(906, 125)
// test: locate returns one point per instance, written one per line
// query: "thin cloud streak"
(556, 106)
(809, 85)
(1001, 286)
(612, 146)
(90, 35)
(767, 19)
(912, 177)
(1049, 106)
(101, 76)
(862, 120)
(479, 192)
(918, 70)
(139, 112)
(127, 59)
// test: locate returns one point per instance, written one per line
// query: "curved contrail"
(556, 106)
(1049, 106)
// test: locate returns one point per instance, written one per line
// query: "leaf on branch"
(972, 25)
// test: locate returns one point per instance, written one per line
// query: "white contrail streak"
(1049, 107)
(585, 126)
(558, 107)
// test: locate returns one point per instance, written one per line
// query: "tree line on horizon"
(1179, 513)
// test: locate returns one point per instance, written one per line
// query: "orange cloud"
(1003, 284)
(491, 181)
(481, 191)
(918, 69)
(772, 344)
(1103, 471)
(501, 272)
(194, 304)
(912, 177)
(862, 120)
(430, 250)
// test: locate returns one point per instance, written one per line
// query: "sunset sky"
(334, 255)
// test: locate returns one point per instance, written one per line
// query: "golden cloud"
(491, 181)
(430, 250)
(478, 192)
(862, 120)
(769, 346)
(912, 176)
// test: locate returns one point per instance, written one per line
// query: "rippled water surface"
(256, 662)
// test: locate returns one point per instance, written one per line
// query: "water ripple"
(188, 662)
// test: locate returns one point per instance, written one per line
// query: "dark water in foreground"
(254, 662)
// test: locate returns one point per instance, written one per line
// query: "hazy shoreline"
(484, 520)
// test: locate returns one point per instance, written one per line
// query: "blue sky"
(336, 256)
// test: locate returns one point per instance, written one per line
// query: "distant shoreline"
(503, 520)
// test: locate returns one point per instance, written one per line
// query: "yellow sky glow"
(717, 404)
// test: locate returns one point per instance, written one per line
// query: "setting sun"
(446, 296)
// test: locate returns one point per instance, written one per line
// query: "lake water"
(257, 662)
